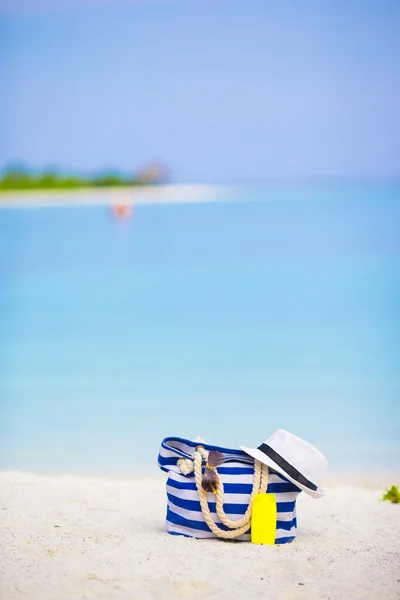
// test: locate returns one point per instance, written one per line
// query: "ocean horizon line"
(129, 195)
(169, 194)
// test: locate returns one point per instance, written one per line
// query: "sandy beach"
(69, 537)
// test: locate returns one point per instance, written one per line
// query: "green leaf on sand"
(392, 494)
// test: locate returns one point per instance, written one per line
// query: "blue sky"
(219, 90)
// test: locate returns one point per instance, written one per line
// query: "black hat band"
(287, 467)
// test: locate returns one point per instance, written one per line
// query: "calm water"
(225, 320)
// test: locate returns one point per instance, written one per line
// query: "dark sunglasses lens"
(209, 481)
(215, 458)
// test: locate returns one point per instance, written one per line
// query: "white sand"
(67, 537)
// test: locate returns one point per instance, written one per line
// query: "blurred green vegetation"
(20, 178)
(392, 494)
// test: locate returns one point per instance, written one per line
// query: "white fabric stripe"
(176, 447)
(229, 478)
(228, 498)
(246, 479)
(169, 454)
(227, 465)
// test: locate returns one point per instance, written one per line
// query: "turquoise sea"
(228, 320)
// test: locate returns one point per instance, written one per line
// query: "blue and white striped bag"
(184, 514)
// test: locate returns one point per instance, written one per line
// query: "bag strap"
(260, 484)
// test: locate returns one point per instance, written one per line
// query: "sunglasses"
(210, 479)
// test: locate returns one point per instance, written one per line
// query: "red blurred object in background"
(121, 211)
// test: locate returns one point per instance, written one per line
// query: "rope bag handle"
(260, 484)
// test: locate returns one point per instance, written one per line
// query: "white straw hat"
(294, 458)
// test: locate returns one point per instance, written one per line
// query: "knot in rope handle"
(239, 527)
(186, 465)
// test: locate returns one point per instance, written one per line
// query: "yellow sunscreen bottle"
(263, 519)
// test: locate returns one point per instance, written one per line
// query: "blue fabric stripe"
(282, 488)
(170, 460)
(198, 525)
(235, 470)
(230, 509)
(190, 484)
(286, 525)
(235, 488)
(182, 534)
(202, 526)
(285, 540)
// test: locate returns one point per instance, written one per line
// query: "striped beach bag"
(224, 512)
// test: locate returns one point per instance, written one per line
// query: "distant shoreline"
(375, 478)
(130, 195)
(134, 195)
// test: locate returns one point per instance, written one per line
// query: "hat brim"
(258, 455)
